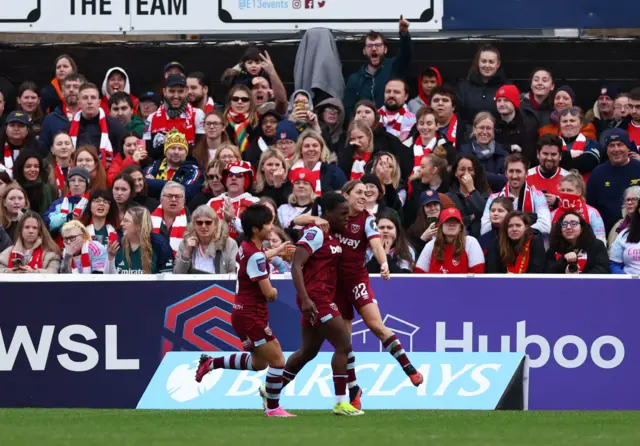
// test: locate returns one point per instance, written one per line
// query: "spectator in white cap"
(514, 130)
(237, 178)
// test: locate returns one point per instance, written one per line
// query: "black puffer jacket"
(474, 95)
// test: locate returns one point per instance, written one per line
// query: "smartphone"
(431, 220)
(298, 106)
(17, 262)
(140, 145)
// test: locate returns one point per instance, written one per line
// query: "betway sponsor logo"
(86, 354)
(470, 380)
(547, 348)
(348, 241)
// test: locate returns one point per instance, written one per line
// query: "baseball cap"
(150, 96)
(174, 64)
(79, 172)
(450, 213)
(429, 196)
(175, 80)
(18, 116)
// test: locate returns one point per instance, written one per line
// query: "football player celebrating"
(354, 289)
(250, 315)
(315, 276)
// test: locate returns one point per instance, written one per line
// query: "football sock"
(351, 369)
(340, 386)
(273, 386)
(287, 377)
(237, 361)
(394, 347)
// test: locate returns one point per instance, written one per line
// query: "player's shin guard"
(237, 361)
(351, 369)
(273, 386)
(340, 386)
(287, 377)
(394, 347)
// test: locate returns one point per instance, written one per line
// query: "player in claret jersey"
(354, 287)
(250, 315)
(315, 276)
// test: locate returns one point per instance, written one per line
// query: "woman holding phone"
(134, 152)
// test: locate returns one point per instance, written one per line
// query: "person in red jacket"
(451, 251)
(134, 153)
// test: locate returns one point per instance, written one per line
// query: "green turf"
(43, 427)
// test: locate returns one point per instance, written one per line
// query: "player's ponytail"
(327, 202)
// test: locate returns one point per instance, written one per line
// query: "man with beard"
(266, 94)
(174, 113)
(58, 120)
(198, 93)
(633, 129)
(395, 115)
(369, 82)
(547, 176)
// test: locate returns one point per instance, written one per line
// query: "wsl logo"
(201, 322)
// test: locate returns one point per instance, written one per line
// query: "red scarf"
(59, 177)
(568, 202)
(394, 122)
(35, 262)
(582, 259)
(177, 229)
(578, 145)
(522, 261)
(8, 159)
(209, 106)
(359, 162)
(527, 202)
(420, 150)
(533, 101)
(78, 209)
(106, 150)
(239, 122)
(452, 130)
(186, 125)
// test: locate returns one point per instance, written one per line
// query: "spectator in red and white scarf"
(60, 161)
(525, 198)
(116, 81)
(101, 217)
(425, 139)
(14, 137)
(87, 157)
(582, 153)
(538, 103)
(170, 219)
(81, 255)
(237, 178)
(450, 127)
(451, 251)
(73, 205)
(92, 126)
(427, 81)
(395, 116)
(312, 153)
(34, 251)
(358, 150)
(516, 250)
(198, 93)
(574, 249)
(174, 113)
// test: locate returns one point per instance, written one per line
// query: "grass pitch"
(45, 427)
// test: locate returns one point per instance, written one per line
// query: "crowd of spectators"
(469, 178)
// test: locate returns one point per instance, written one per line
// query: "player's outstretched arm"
(381, 257)
(308, 219)
(307, 306)
(268, 291)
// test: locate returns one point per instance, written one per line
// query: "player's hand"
(404, 25)
(309, 310)
(384, 271)
(285, 249)
(322, 224)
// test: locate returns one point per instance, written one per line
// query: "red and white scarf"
(78, 209)
(85, 261)
(578, 145)
(452, 130)
(569, 202)
(105, 150)
(359, 163)
(112, 235)
(582, 259)
(420, 150)
(316, 168)
(66, 112)
(177, 230)
(35, 262)
(57, 170)
(185, 125)
(397, 123)
(8, 159)
(526, 205)
(209, 106)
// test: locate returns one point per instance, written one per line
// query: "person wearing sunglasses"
(574, 249)
(174, 113)
(212, 188)
(241, 116)
(81, 255)
(564, 97)
(176, 166)
(206, 247)
(237, 179)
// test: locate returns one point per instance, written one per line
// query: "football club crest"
(333, 306)
(283, 135)
(455, 262)
(355, 228)
(262, 265)
(310, 235)
(268, 331)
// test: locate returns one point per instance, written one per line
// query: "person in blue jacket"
(370, 80)
(176, 166)
(73, 205)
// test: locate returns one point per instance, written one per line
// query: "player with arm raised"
(315, 276)
(250, 315)
(354, 287)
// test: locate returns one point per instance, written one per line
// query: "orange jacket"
(588, 130)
